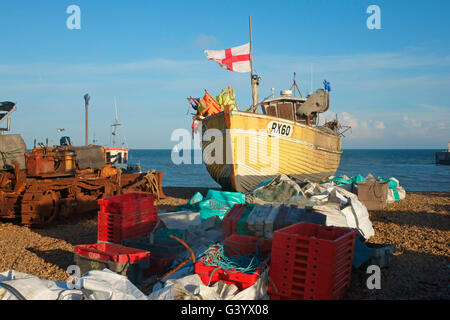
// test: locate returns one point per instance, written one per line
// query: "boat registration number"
(281, 129)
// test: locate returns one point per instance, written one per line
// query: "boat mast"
(253, 77)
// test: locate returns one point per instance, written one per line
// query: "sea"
(416, 170)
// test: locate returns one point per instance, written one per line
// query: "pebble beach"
(418, 226)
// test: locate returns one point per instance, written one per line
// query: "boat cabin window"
(119, 157)
(286, 111)
(271, 110)
(108, 157)
(124, 157)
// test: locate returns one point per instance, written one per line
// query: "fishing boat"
(118, 156)
(280, 140)
(278, 135)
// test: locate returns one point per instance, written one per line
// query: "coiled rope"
(219, 257)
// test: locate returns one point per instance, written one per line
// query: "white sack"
(33, 288)
(192, 288)
(181, 220)
(96, 285)
(108, 285)
(358, 217)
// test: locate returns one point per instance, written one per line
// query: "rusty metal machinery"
(65, 180)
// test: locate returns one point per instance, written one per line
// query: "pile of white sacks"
(341, 207)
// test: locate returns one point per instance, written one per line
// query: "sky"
(389, 84)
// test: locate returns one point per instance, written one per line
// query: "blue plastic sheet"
(217, 203)
(193, 204)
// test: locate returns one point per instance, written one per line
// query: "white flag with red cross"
(234, 59)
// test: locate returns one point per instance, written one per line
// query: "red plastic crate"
(106, 218)
(240, 279)
(142, 231)
(159, 263)
(321, 282)
(303, 294)
(107, 226)
(305, 235)
(114, 227)
(311, 261)
(231, 218)
(124, 229)
(111, 252)
(115, 238)
(129, 203)
(211, 274)
(208, 274)
(237, 244)
(117, 235)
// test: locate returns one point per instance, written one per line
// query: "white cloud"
(442, 125)
(349, 120)
(411, 123)
(363, 130)
(204, 41)
(434, 108)
(380, 125)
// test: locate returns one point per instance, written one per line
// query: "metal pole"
(87, 139)
(86, 104)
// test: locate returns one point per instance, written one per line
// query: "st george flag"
(234, 59)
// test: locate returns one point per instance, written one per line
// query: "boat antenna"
(294, 85)
(254, 78)
(115, 124)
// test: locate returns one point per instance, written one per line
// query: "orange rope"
(192, 257)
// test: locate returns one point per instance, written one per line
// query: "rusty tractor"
(47, 182)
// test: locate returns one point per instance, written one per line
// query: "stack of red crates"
(311, 262)
(127, 216)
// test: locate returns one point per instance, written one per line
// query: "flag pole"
(253, 79)
(251, 50)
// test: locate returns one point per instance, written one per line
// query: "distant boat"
(443, 157)
(118, 156)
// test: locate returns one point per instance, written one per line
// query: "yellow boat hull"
(256, 147)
